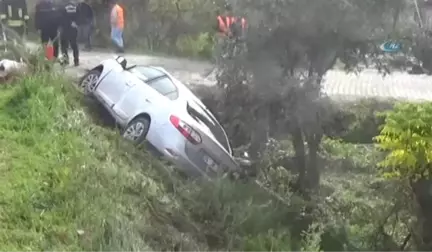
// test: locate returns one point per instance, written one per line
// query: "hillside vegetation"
(66, 183)
(325, 175)
(69, 183)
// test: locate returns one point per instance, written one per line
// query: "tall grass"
(66, 183)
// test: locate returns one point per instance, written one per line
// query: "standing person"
(229, 30)
(47, 18)
(14, 15)
(86, 23)
(117, 25)
(69, 31)
(230, 27)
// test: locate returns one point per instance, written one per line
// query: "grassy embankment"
(67, 183)
(70, 184)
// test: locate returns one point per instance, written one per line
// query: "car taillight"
(186, 130)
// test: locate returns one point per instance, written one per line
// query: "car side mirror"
(122, 61)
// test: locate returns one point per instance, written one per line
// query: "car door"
(147, 93)
(136, 100)
(114, 86)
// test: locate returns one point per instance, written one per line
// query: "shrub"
(406, 136)
(195, 46)
(345, 156)
(360, 121)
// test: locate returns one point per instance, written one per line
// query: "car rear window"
(148, 72)
(204, 116)
(164, 86)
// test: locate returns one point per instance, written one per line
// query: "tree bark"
(313, 172)
(423, 193)
(299, 156)
(259, 133)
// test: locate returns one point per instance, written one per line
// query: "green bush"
(345, 156)
(360, 121)
(195, 46)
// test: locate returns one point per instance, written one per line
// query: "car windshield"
(204, 116)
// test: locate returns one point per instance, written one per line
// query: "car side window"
(165, 86)
(148, 72)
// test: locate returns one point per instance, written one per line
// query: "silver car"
(150, 104)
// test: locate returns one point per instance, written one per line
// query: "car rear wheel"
(136, 131)
(89, 81)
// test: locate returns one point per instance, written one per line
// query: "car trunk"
(214, 152)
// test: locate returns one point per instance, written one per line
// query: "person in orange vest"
(117, 25)
(230, 26)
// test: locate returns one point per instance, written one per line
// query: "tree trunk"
(423, 193)
(313, 172)
(259, 133)
(299, 156)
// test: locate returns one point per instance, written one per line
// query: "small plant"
(349, 157)
(195, 46)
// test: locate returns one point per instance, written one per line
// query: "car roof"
(186, 92)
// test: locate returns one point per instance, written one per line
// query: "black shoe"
(76, 63)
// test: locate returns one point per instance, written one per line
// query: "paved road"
(337, 83)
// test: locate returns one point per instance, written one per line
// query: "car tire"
(88, 82)
(136, 131)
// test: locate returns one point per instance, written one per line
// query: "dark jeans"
(86, 32)
(50, 33)
(69, 36)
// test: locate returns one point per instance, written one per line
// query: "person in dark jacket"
(14, 14)
(47, 18)
(69, 30)
(86, 23)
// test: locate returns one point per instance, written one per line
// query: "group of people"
(62, 23)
